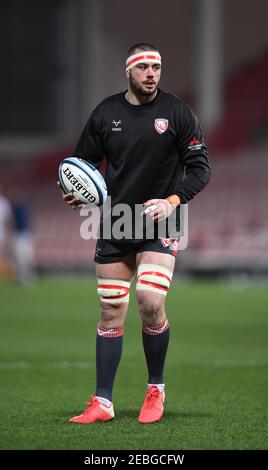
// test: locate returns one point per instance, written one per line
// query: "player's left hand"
(158, 209)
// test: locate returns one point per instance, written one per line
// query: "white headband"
(147, 57)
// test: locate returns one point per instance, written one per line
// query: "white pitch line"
(228, 363)
(47, 365)
(89, 365)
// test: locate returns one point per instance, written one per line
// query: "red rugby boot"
(95, 412)
(153, 406)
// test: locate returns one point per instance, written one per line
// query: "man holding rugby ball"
(156, 156)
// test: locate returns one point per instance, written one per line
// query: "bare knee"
(153, 282)
(112, 316)
(151, 308)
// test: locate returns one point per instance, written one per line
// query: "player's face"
(144, 78)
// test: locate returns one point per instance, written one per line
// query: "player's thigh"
(123, 270)
(114, 281)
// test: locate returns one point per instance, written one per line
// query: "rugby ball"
(83, 180)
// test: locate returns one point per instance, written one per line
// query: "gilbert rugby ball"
(83, 180)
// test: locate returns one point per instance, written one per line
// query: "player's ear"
(128, 73)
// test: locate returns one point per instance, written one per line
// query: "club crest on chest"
(161, 125)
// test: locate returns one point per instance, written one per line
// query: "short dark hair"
(144, 46)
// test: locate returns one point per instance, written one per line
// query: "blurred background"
(60, 58)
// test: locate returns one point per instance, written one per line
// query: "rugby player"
(156, 156)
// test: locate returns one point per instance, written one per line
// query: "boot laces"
(92, 403)
(151, 395)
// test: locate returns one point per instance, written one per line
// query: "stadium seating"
(245, 114)
(57, 232)
(228, 220)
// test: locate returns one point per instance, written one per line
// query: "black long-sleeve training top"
(152, 150)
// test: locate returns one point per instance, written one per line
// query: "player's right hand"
(70, 199)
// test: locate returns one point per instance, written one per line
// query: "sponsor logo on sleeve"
(195, 144)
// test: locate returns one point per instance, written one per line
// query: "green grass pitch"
(216, 369)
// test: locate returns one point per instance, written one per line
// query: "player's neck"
(132, 98)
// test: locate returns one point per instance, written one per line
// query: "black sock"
(155, 344)
(108, 354)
